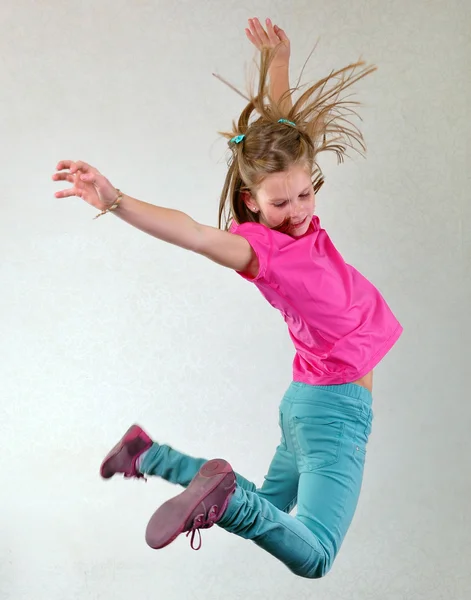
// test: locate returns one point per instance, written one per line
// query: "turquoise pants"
(317, 466)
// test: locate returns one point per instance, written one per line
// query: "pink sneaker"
(123, 457)
(199, 506)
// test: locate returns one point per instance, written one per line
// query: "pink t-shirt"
(340, 324)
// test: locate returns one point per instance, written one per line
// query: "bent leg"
(330, 447)
(176, 467)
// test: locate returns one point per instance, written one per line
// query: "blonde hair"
(319, 121)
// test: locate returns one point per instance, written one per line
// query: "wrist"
(112, 207)
(277, 66)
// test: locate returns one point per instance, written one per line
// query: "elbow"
(196, 239)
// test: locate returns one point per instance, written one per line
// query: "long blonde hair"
(318, 121)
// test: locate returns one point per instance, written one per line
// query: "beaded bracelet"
(114, 206)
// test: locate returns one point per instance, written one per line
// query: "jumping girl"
(340, 325)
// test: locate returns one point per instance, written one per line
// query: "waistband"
(351, 390)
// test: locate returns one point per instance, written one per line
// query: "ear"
(249, 202)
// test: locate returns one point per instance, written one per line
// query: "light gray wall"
(102, 326)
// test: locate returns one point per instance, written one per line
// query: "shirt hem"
(342, 378)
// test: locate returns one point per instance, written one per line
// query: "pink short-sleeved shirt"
(339, 323)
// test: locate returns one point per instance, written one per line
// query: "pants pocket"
(318, 441)
(282, 431)
(364, 433)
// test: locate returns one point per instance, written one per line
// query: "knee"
(319, 568)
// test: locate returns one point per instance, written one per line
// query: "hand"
(271, 38)
(87, 183)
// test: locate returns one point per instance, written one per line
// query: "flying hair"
(273, 135)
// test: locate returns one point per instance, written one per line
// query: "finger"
(68, 193)
(271, 33)
(252, 38)
(79, 165)
(260, 31)
(63, 176)
(64, 164)
(253, 31)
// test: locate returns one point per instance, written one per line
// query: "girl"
(340, 325)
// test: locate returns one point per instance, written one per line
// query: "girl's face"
(285, 195)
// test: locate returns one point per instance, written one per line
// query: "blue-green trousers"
(317, 466)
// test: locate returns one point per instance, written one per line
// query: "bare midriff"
(366, 382)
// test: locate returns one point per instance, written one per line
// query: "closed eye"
(306, 194)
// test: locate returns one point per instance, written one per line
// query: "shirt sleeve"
(260, 239)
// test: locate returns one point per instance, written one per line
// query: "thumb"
(105, 190)
(88, 177)
(281, 34)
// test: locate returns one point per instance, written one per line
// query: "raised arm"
(273, 37)
(169, 225)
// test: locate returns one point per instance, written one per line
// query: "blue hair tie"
(287, 122)
(237, 139)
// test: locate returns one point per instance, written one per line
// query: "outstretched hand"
(87, 183)
(272, 37)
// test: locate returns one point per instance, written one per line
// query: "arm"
(179, 229)
(169, 225)
(273, 37)
(279, 85)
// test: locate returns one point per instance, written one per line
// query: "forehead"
(292, 181)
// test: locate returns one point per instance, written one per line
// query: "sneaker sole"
(169, 521)
(131, 434)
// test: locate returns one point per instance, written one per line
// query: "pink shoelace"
(202, 522)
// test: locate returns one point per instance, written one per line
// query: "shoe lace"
(201, 522)
(135, 475)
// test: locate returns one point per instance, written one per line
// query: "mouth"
(299, 225)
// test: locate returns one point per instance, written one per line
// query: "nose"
(295, 209)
